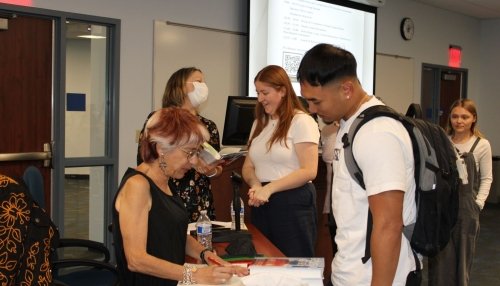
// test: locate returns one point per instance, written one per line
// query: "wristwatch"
(202, 255)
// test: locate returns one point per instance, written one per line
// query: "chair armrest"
(58, 264)
(90, 244)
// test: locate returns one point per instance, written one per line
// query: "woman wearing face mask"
(186, 88)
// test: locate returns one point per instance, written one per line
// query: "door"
(59, 85)
(26, 97)
(450, 91)
(441, 86)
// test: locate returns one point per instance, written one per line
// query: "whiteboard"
(394, 81)
(220, 55)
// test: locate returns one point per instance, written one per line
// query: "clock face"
(407, 28)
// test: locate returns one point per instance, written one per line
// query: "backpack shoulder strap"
(347, 139)
(351, 164)
(474, 145)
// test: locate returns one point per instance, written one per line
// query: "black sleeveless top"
(166, 239)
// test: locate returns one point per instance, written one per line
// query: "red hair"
(277, 78)
(169, 128)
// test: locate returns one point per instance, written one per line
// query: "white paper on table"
(234, 281)
(275, 279)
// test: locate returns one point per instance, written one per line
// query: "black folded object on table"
(240, 243)
(230, 235)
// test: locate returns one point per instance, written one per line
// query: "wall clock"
(407, 28)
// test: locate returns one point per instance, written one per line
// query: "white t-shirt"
(383, 150)
(484, 164)
(280, 161)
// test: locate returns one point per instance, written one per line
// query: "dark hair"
(174, 94)
(169, 128)
(468, 105)
(277, 78)
(325, 63)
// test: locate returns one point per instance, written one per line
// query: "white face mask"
(199, 94)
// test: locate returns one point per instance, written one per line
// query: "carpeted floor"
(486, 267)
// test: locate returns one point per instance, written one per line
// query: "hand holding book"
(225, 157)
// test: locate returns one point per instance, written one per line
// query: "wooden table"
(262, 245)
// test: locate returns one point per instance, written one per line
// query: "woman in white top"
(328, 135)
(281, 162)
(454, 263)
(463, 131)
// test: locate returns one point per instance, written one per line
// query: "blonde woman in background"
(453, 265)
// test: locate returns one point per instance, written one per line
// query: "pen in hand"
(211, 259)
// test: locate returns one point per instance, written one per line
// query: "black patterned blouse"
(194, 188)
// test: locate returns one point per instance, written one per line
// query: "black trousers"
(289, 220)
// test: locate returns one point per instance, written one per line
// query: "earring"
(162, 162)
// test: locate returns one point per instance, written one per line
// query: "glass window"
(86, 78)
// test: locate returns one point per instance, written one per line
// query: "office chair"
(34, 181)
(75, 261)
(89, 266)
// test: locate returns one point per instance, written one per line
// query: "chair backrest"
(33, 179)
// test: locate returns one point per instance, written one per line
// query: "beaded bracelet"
(187, 274)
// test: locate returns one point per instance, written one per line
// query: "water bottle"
(204, 230)
(242, 215)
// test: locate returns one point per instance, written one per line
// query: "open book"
(225, 157)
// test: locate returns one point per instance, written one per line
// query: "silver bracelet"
(211, 175)
(187, 274)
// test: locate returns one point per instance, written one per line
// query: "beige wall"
(435, 30)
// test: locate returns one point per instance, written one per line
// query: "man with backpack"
(383, 151)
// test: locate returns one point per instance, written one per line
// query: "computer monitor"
(239, 119)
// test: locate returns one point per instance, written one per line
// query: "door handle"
(46, 156)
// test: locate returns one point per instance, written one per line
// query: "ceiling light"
(92, 37)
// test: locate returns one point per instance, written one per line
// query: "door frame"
(110, 159)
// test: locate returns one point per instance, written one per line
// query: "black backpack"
(436, 178)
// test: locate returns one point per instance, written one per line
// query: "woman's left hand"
(259, 196)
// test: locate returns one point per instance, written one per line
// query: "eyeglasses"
(192, 153)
